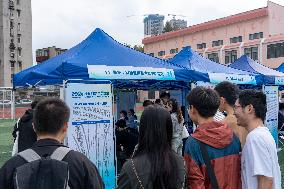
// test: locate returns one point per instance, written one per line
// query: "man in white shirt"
(260, 168)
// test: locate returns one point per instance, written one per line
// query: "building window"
(258, 35)
(18, 13)
(230, 56)
(12, 75)
(275, 50)
(201, 46)
(12, 62)
(20, 65)
(45, 53)
(252, 52)
(173, 51)
(161, 53)
(38, 53)
(20, 51)
(151, 54)
(236, 39)
(11, 5)
(18, 2)
(217, 43)
(11, 32)
(19, 27)
(11, 24)
(19, 38)
(214, 57)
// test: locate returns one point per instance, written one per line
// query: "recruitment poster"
(91, 125)
(272, 110)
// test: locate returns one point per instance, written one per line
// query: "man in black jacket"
(24, 128)
(50, 123)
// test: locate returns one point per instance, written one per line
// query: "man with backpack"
(212, 151)
(50, 164)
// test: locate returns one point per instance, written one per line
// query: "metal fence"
(7, 104)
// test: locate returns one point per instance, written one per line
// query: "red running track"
(6, 112)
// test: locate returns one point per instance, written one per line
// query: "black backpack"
(48, 172)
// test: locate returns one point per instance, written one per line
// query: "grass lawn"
(6, 140)
(6, 144)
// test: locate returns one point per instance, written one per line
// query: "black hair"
(132, 111)
(124, 113)
(206, 101)
(50, 115)
(158, 101)
(176, 109)
(229, 91)
(34, 103)
(281, 106)
(155, 136)
(255, 98)
(165, 94)
(147, 103)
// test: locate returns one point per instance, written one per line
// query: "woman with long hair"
(154, 164)
(177, 119)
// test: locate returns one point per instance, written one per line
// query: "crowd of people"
(230, 147)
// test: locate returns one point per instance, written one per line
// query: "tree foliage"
(138, 48)
(168, 27)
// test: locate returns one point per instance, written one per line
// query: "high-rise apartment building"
(178, 24)
(153, 24)
(15, 38)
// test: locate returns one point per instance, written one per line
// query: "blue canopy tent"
(102, 52)
(281, 68)
(247, 64)
(190, 60)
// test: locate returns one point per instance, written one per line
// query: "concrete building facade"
(153, 24)
(15, 38)
(258, 33)
(47, 53)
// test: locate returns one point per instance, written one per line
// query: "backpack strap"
(60, 153)
(29, 155)
(209, 168)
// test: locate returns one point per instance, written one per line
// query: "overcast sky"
(64, 23)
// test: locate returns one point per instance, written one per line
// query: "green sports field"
(6, 143)
(6, 139)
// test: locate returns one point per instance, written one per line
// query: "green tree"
(139, 48)
(168, 27)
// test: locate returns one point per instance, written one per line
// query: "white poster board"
(91, 129)
(272, 110)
